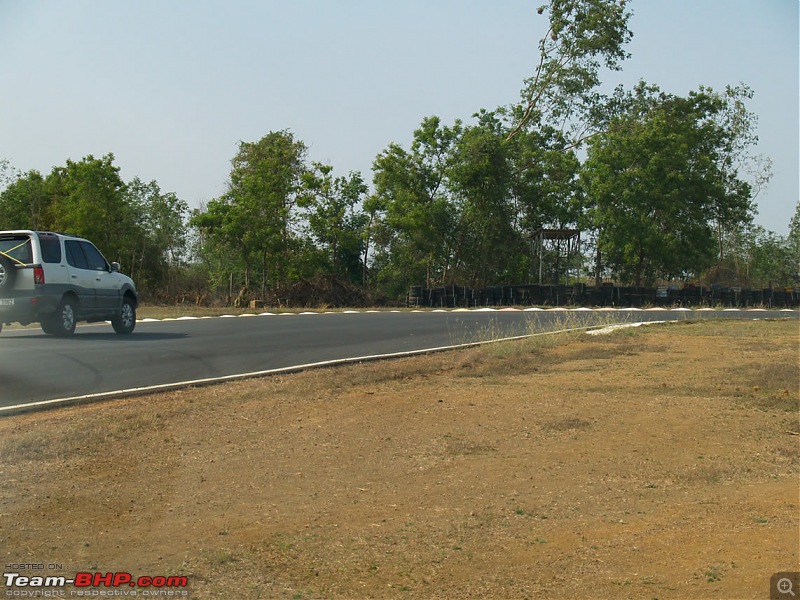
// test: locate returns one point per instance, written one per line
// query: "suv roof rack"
(59, 233)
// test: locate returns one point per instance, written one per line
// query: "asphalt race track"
(35, 367)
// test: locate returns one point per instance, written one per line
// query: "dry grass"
(642, 464)
(567, 424)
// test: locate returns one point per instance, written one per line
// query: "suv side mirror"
(114, 267)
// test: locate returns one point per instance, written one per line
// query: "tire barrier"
(607, 295)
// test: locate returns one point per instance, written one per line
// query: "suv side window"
(94, 260)
(75, 257)
(51, 248)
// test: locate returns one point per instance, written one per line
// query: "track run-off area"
(39, 371)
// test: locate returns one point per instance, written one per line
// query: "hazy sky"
(170, 87)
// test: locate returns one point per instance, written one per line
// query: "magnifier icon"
(785, 586)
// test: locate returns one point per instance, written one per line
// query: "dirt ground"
(660, 462)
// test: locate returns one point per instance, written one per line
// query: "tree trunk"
(597, 267)
(639, 268)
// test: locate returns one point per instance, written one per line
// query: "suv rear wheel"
(61, 322)
(47, 326)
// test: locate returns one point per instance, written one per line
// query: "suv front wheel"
(125, 322)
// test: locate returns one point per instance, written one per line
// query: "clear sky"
(170, 87)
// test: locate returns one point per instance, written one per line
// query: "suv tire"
(62, 322)
(125, 322)
(7, 272)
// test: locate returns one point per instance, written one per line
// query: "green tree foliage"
(657, 180)
(215, 251)
(584, 36)
(460, 206)
(490, 247)
(545, 180)
(135, 224)
(25, 203)
(252, 230)
(7, 173)
(335, 220)
(161, 246)
(88, 199)
(418, 212)
(793, 245)
(265, 181)
(770, 263)
(85, 198)
(759, 258)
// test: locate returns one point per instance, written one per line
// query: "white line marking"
(611, 328)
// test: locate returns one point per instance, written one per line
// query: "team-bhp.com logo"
(94, 584)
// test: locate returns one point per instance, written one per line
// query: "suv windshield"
(17, 247)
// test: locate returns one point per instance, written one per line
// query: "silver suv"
(57, 280)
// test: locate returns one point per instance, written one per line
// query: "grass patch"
(567, 424)
(90, 435)
(715, 473)
(791, 453)
(771, 386)
(461, 447)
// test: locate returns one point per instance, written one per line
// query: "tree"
(545, 182)
(25, 203)
(88, 199)
(8, 174)
(793, 245)
(135, 224)
(216, 248)
(770, 261)
(738, 134)
(459, 206)
(584, 36)
(657, 180)
(334, 220)
(561, 108)
(161, 220)
(417, 211)
(254, 220)
(489, 248)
